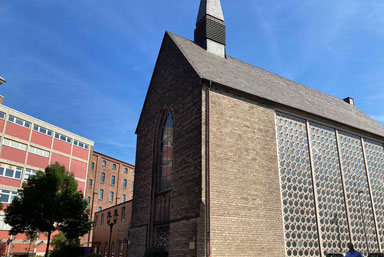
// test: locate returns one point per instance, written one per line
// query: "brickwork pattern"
(174, 87)
(245, 203)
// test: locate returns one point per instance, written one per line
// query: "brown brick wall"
(174, 86)
(183, 233)
(245, 204)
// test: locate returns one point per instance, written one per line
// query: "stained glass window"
(166, 158)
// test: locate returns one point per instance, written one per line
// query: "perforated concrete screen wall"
(324, 175)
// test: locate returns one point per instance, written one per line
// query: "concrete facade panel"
(81, 186)
(37, 160)
(79, 169)
(80, 152)
(10, 153)
(62, 160)
(10, 182)
(41, 139)
(17, 131)
(61, 146)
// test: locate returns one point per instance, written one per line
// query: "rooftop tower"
(210, 32)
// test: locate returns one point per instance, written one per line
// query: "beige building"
(233, 160)
(112, 240)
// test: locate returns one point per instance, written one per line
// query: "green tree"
(64, 247)
(49, 202)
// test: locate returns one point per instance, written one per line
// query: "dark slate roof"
(238, 75)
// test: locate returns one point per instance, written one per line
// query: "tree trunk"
(48, 241)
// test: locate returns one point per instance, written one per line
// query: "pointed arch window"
(166, 157)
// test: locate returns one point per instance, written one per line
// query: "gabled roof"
(249, 79)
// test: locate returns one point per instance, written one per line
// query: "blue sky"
(85, 65)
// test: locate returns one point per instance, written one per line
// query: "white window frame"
(14, 144)
(22, 123)
(14, 170)
(38, 151)
(29, 173)
(61, 136)
(2, 115)
(39, 129)
(80, 144)
(11, 194)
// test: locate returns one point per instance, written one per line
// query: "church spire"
(210, 29)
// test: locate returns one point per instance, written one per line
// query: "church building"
(233, 160)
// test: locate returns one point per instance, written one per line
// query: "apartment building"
(27, 145)
(110, 182)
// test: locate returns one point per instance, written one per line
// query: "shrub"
(155, 252)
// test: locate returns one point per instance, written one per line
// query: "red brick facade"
(122, 187)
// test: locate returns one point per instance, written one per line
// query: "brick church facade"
(235, 161)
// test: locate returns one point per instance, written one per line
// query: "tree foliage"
(65, 247)
(48, 202)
